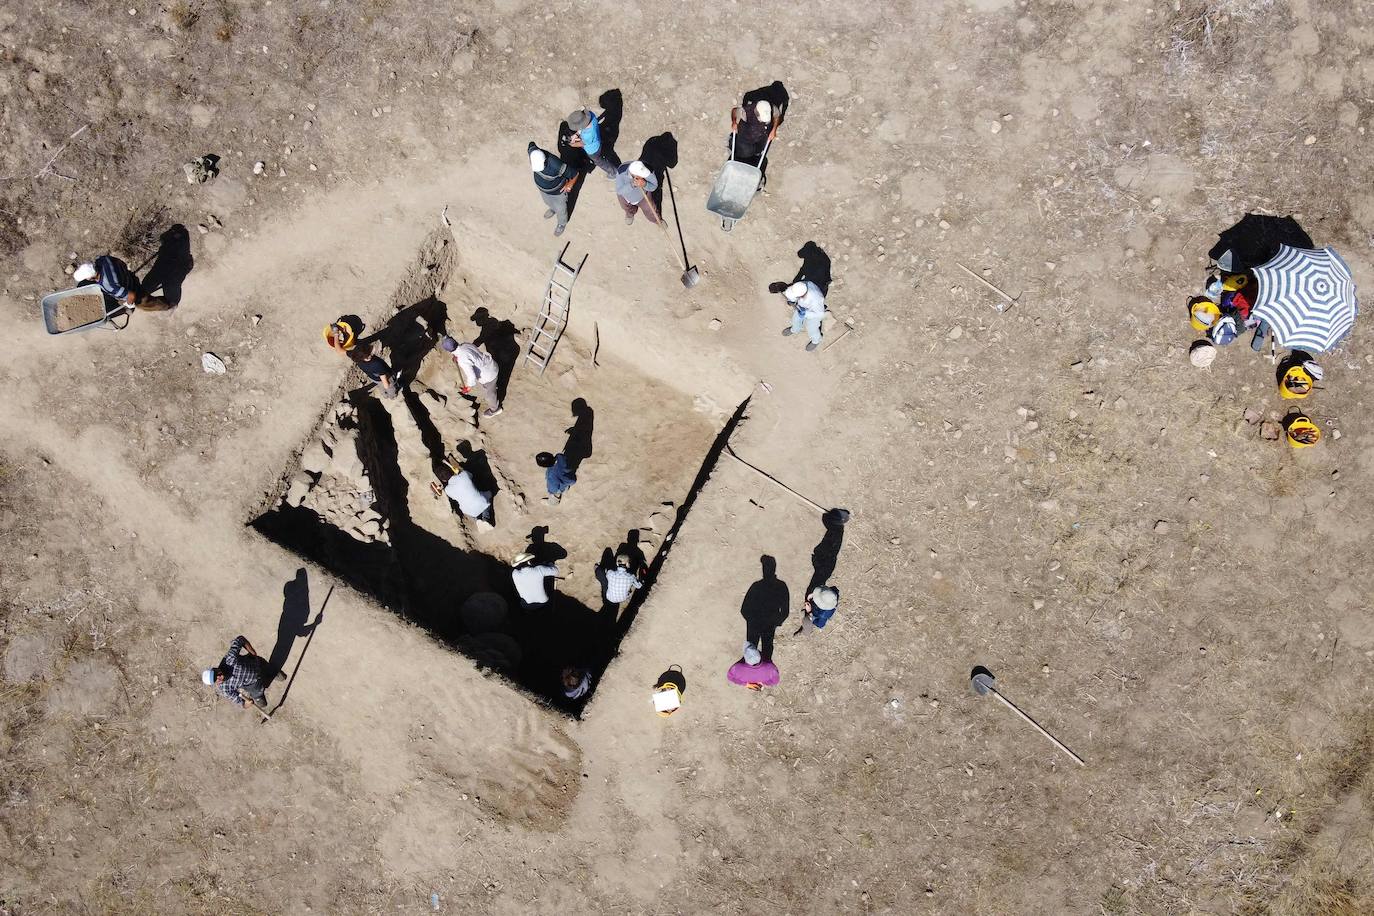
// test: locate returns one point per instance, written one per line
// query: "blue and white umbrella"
(1306, 297)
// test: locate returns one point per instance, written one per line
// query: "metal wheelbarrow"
(736, 186)
(83, 308)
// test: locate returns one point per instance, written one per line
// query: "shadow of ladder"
(553, 314)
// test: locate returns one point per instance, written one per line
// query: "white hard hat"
(795, 292)
(639, 169)
(537, 160)
(84, 272)
(207, 677)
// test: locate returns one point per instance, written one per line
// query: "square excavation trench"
(357, 500)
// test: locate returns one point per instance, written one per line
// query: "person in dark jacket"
(120, 284)
(554, 178)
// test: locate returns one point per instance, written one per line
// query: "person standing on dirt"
(633, 181)
(120, 284)
(342, 338)
(819, 608)
(808, 311)
(558, 477)
(554, 178)
(477, 369)
(241, 678)
(753, 125)
(586, 129)
(529, 577)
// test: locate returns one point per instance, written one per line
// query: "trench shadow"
(501, 339)
(171, 265)
(765, 606)
(578, 447)
(293, 623)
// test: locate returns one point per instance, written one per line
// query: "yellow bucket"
(1203, 313)
(1302, 432)
(1296, 383)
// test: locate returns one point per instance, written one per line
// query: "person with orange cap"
(342, 337)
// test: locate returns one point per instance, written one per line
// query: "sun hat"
(1202, 354)
(207, 677)
(537, 160)
(639, 169)
(448, 344)
(751, 654)
(825, 598)
(1224, 331)
(522, 558)
(579, 119)
(84, 272)
(765, 110)
(794, 292)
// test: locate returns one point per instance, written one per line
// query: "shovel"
(983, 683)
(690, 276)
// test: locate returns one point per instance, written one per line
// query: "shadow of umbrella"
(1256, 238)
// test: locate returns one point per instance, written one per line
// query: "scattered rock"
(955, 332)
(715, 324)
(1271, 430)
(204, 229)
(258, 167)
(199, 171)
(1161, 527)
(1253, 415)
(314, 458)
(212, 363)
(1119, 404)
(1037, 604)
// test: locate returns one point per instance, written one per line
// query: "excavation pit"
(357, 501)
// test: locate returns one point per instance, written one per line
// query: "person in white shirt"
(472, 502)
(478, 370)
(808, 310)
(529, 580)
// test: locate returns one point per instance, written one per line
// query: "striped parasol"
(1306, 297)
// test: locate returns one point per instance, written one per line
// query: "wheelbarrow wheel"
(727, 224)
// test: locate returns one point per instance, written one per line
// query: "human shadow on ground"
(659, 154)
(1256, 238)
(295, 612)
(411, 334)
(827, 553)
(765, 607)
(501, 339)
(171, 265)
(579, 445)
(774, 94)
(815, 266)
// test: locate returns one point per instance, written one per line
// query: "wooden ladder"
(553, 314)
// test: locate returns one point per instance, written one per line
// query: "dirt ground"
(1050, 491)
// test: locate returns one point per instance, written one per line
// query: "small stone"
(944, 224)
(1271, 430)
(995, 127)
(1037, 604)
(256, 318)
(1044, 669)
(1335, 434)
(258, 167)
(1156, 202)
(1253, 415)
(955, 332)
(1119, 404)
(1076, 367)
(1311, 138)
(1161, 527)
(204, 229)
(715, 324)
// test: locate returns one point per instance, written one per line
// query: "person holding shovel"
(554, 178)
(241, 677)
(633, 184)
(808, 311)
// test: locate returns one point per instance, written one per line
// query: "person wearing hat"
(753, 670)
(819, 608)
(478, 370)
(241, 677)
(633, 181)
(529, 580)
(554, 178)
(618, 582)
(342, 337)
(808, 311)
(753, 125)
(586, 128)
(119, 284)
